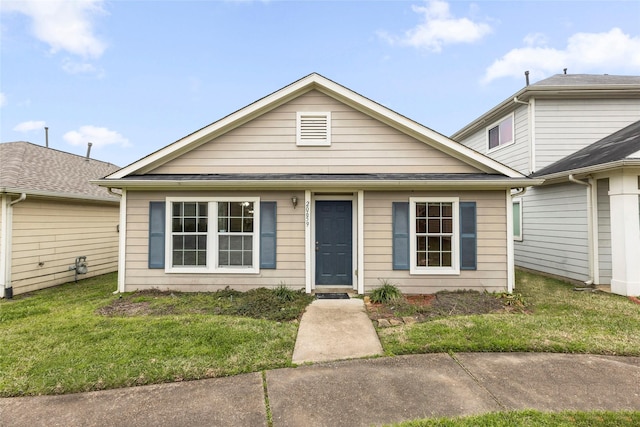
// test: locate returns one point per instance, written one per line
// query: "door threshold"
(333, 290)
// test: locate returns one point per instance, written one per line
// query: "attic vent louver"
(313, 128)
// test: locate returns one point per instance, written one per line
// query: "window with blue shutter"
(156, 234)
(468, 236)
(268, 235)
(400, 219)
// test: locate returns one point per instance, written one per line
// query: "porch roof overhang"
(16, 191)
(385, 181)
(561, 176)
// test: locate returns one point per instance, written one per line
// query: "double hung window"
(500, 134)
(434, 236)
(213, 235)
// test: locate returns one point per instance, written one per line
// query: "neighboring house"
(317, 187)
(582, 223)
(50, 214)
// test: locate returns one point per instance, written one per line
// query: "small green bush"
(386, 293)
(284, 293)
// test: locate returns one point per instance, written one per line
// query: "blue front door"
(333, 243)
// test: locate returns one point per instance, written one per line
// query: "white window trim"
(497, 123)
(455, 245)
(212, 237)
(300, 141)
(518, 201)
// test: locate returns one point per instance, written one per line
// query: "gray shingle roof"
(33, 168)
(587, 80)
(615, 147)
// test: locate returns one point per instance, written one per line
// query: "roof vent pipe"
(46, 136)
(526, 76)
(564, 70)
(88, 150)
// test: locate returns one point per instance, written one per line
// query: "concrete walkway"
(361, 392)
(335, 329)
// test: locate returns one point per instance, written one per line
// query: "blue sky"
(134, 76)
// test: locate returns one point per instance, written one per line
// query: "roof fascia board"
(325, 184)
(330, 88)
(55, 195)
(552, 91)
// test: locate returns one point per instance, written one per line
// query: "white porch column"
(122, 244)
(625, 233)
(5, 249)
(308, 243)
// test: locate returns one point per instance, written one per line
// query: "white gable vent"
(313, 128)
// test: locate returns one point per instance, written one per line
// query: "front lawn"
(72, 338)
(556, 318)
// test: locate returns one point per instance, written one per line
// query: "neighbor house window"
(501, 133)
(434, 236)
(517, 219)
(196, 245)
(313, 128)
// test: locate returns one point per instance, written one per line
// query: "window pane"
(248, 225)
(494, 137)
(516, 219)
(202, 242)
(202, 225)
(247, 211)
(235, 243)
(223, 258)
(434, 243)
(178, 242)
(235, 209)
(421, 259)
(235, 225)
(446, 243)
(421, 226)
(434, 210)
(421, 209)
(247, 258)
(506, 131)
(248, 243)
(446, 259)
(223, 209)
(177, 225)
(235, 258)
(434, 226)
(202, 209)
(189, 258)
(434, 259)
(189, 225)
(177, 208)
(190, 242)
(177, 258)
(447, 225)
(202, 258)
(189, 209)
(223, 242)
(223, 225)
(421, 243)
(447, 210)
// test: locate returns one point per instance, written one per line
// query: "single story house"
(317, 187)
(50, 215)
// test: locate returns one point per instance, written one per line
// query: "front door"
(334, 243)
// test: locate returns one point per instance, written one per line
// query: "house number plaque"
(307, 213)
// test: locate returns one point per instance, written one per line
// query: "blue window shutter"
(268, 234)
(156, 234)
(468, 236)
(400, 219)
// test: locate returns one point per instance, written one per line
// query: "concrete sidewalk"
(354, 392)
(335, 329)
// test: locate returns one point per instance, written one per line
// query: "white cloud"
(439, 28)
(585, 53)
(30, 126)
(98, 136)
(62, 24)
(3, 99)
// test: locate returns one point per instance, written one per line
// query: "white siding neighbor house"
(566, 227)
(50, 215)
(316, 187)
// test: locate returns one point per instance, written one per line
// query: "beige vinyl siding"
(564, 126)
(54, 233)
(604, 232)
(515, 155)
(360, 144)
(554, 227)
(491, 274)
(290, 247)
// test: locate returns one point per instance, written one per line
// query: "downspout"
(589, 282)
(6, 236)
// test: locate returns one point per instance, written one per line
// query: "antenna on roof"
(46, 136)
(88, 150)
(526, 76)
(565, 70)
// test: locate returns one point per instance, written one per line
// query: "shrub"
(388, 292)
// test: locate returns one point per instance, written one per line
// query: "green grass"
(559, 319)
(54, 341)
(531, 418)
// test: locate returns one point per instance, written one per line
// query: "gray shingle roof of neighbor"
(587, 79)
(620, 145)
(33, 168)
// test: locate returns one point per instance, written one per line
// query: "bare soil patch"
(424, 307)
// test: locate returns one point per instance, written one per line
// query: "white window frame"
(313, 142)
(212, 237)
(455, 238)
(518, 201)
(497, 124)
